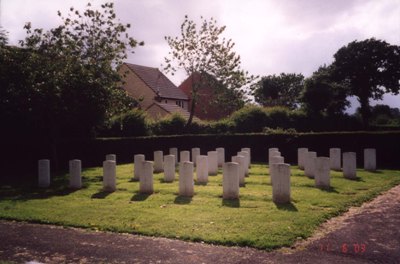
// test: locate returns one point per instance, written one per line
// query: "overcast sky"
(271, 36)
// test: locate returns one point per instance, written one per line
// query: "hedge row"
(21, 157)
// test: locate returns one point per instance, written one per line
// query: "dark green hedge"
(20, 157)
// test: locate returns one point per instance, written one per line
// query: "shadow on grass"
(234, 203)
(183, 200)
(164, 181)
(287, 207)
(200, 183)
(101, 194)
(328, 189)
(140, 197)
(134, 180)
(357, 179)
(35, 193)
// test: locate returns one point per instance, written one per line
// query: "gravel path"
(366, 234)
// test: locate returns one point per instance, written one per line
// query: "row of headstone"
(280, 176)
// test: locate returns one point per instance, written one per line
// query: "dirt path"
(367, 234)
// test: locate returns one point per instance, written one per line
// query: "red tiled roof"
(158, 82)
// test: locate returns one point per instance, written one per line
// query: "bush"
(279, 117)
(171, 125)
(250, 119)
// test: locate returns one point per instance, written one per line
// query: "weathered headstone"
(248, 150)
(195, 153)
(169, 168)
(350, 165)
(221, 156)
(301, 157)
(309, 166)
(184, 156)
(273, 153)
(274, 160)
(186, 184)
(174, 151)
(230, 181)
(158, 161)
(370, 159)
(241, 160)
(202, 169)
(75, 178)
(212, 162)
(146, 178)
(137, 168)
(281, 186)
(111, 157)
(322, 172)
(44, 173)
(109, 176)
(245, 154)
(335, 157)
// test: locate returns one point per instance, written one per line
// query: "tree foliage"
(370, 68)
(322, 95)
(202, 50)
(283, 90)
(65, 80)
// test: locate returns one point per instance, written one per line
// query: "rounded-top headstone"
(202, 169)
(301, 157)
(75, 178)
(274, 160)
(322, 172)
(248, 150)
(109, 176)
(281, 186)
(146, 178)
(212, 162)
(350, 165)
(245, 154)
(186, 184)
(230, 181)
(111, 157)
(184, 156)
(138, 162)
(309, 168)
(221, 156)
(174, 151)
(241, 160)
(158, 161)
(169, 168)
(335, 159)
(370, 159)
(44, 173)
(195, 153)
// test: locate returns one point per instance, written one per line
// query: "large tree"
(322, 95)
(370, 68)
(282, 90)
(69, 73)
(203, 52)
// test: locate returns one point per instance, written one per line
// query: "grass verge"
(253, 220)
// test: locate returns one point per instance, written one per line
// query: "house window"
(166, 101)
(178, 103)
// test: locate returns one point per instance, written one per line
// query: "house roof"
(170, 108)
(158, 82)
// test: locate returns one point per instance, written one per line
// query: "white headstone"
(274, 160)
(158, 161)
(75, 178)
(230, 181)
(370, 159)
(137, 168)
(186, 184)
(111, 157)
(44, 173)
(322, 172)
(195, 153)
(241, 160)
(335, 157)
(221, 156)
(169, 168)
(301, 157)
(109, 176)
(146, 178)
(174, 151)
(202, 169)
(248, 150)
(281, 186)
(309, 166)
(350, 165)
(184, 156)
(212, 162)
(273, 153)
(245, 154)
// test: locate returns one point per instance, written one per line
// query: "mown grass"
(253, 220)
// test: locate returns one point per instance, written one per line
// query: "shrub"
(250, 119)
(279, 117)
(130, 124)
(170, 125)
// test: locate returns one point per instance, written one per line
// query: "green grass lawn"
(254, 220)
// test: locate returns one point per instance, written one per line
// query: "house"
(156, 94)
(205, 108)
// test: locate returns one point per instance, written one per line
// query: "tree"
(322, 95)
(205, 53)
(370, 68)
(283, 90)
(71, 71)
